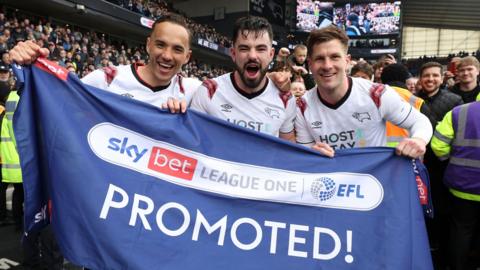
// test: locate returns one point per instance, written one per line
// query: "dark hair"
(363, 67)
(175, 19)
(429, 65)
(395, 73)
(326, 34)
(254, 24)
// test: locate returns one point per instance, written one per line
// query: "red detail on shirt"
(180, 84)
(110, 73)
(376, 92)
(211, 86)
(285, 96)
(302, 104)
(52, 68)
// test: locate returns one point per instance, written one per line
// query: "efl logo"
(172, 163)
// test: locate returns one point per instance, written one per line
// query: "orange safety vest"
(396, 134)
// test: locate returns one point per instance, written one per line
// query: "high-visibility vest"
(396, 134)
(11, 171)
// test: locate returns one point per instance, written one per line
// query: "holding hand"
(25, 53)
(411, 147)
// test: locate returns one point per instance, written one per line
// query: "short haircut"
(252, 24)
(299, 47)
(326, 34)
(468, 61)
(430, 65)
(363, 67)
(175, 19)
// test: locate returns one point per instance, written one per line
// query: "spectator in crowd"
(467, 71)
(300, 67)
(247, 97)
(339, 97)
(5, 88)
(396, 75)
(440, 101)
(456, 139)
(298, 89)
(412, 85)
(362, 70)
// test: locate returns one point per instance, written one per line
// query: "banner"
(135, 187)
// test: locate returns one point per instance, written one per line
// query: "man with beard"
(246, 97)
(343, 112)
(157, 82)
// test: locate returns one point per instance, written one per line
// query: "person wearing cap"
(353, 27)
(457, 139)
(396, 75)
(4, 72)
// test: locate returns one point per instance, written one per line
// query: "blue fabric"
(53, 125)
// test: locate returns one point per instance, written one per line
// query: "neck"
(334, 95)
(467, 87)
(246, 89)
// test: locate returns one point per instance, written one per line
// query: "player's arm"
(305, 138)
(394, 109)
(443, 137)
(287, 130)
(200, 99)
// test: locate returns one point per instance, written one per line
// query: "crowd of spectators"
(80, 50)
(156, 8)
(415, 63)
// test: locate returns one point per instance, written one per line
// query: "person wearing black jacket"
(440, 101)
(468, 69)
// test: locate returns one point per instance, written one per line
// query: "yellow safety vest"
(11, 171)
(396, 134)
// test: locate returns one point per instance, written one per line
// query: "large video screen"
(313, 14)
(369, 18)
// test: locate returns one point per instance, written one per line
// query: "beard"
(251, 83)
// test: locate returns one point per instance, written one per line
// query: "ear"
(232, 53)
(272, 53)
(148, 45)
(189, 54)
(348, 58)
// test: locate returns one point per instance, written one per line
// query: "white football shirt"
(355, 121)
(264, 111)
(128, 83)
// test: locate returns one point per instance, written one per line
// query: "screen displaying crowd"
(356, 19)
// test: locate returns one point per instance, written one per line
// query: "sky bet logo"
(161, 160)
(171, 163)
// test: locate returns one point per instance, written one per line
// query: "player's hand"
(281, 79)
(411, 147)
(175, 106)
(25, 53)
(324, 148)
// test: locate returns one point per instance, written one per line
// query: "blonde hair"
(468, 61)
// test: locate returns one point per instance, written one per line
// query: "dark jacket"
(467, 97)
(440, 103)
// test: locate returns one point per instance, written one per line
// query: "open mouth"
(252, 69)
(166, 66)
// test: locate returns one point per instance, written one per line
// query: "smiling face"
(430, 80)
(168, 49)
(328, 63)
(251, 54)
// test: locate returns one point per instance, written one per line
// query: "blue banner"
(135, 187)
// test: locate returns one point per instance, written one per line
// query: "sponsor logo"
(172, 163)
(226, 107)
(52, 68)
(272, 113)
(323, 188)
(317, 124)
(347, 192)
(361, 116)
(126, 148)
